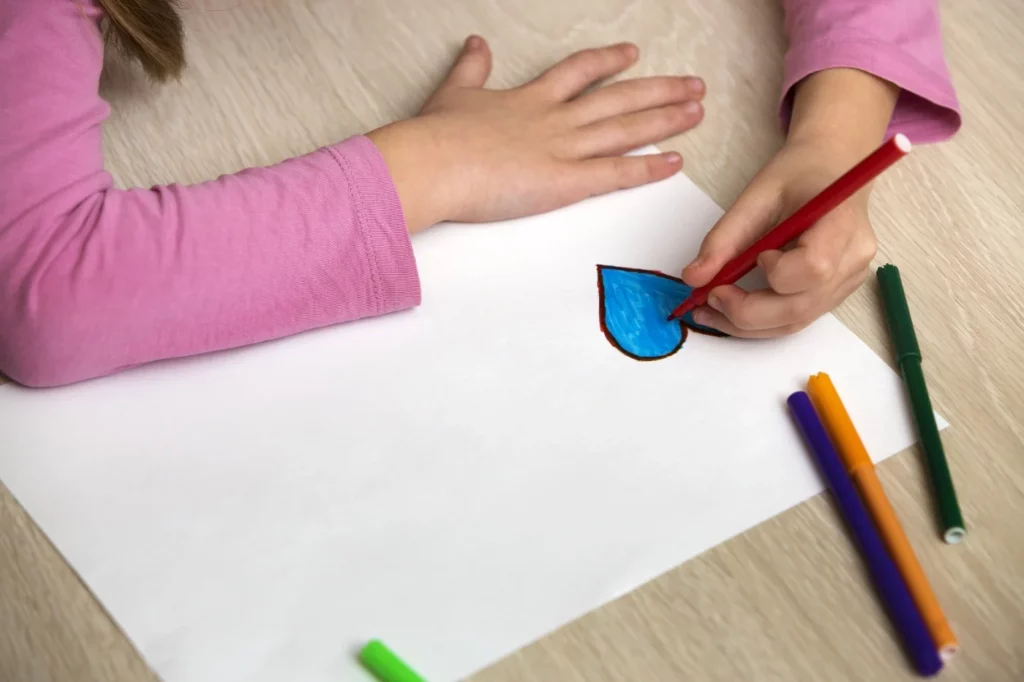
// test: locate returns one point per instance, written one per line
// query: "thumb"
(751, 216)
(472, 67)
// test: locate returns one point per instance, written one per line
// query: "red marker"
(792, 227)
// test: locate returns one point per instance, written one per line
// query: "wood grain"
(787, 600)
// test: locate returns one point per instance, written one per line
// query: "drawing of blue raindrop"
(635, 305)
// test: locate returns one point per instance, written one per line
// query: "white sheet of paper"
(457, 480)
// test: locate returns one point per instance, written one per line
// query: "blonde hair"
(149, 32)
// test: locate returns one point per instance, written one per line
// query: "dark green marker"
(908, 357)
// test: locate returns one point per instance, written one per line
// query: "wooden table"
(787, 600)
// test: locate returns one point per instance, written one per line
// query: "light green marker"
(385, 665)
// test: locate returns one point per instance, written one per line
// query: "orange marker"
(861, 469)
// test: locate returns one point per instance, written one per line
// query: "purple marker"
(888, 581)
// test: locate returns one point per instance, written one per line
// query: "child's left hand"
(826, 264)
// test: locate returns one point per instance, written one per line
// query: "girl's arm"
(897, 41)
(856, 71)
(95, 279)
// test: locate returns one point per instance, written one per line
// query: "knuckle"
(623, 171)
(623, 127)
(717, 240)
(630, 172)
(589, 62)
(565, 147)
(637, 171)
(666, 89)
(819, 267)
(677, 88)
(673, 117)
(867, 247)
(862, 274)
(649, 168)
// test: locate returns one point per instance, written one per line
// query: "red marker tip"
(685, 307)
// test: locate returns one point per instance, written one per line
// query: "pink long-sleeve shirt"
(95, 279)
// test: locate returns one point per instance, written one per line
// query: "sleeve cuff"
(926, 110)
(389, 254)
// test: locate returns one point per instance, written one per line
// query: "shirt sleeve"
(95, 279)
(897, 40)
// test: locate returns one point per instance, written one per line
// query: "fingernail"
(673, 158)
(695, 85)
(473, 42)
(631, 50)
(715, 302)
(691, 108)
(701, 317)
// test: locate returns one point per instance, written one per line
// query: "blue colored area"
(635, 305)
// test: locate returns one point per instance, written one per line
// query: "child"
(94, 279)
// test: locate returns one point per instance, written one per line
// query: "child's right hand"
(478, 155)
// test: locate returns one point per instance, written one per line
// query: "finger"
(634, 95)
(601, 176)
(764, 308)
(820, 252)
(472, 67)
(631, 131)
(763, 314)
(756, 210)
(767, 261)
(580, 70)
(708, 317)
